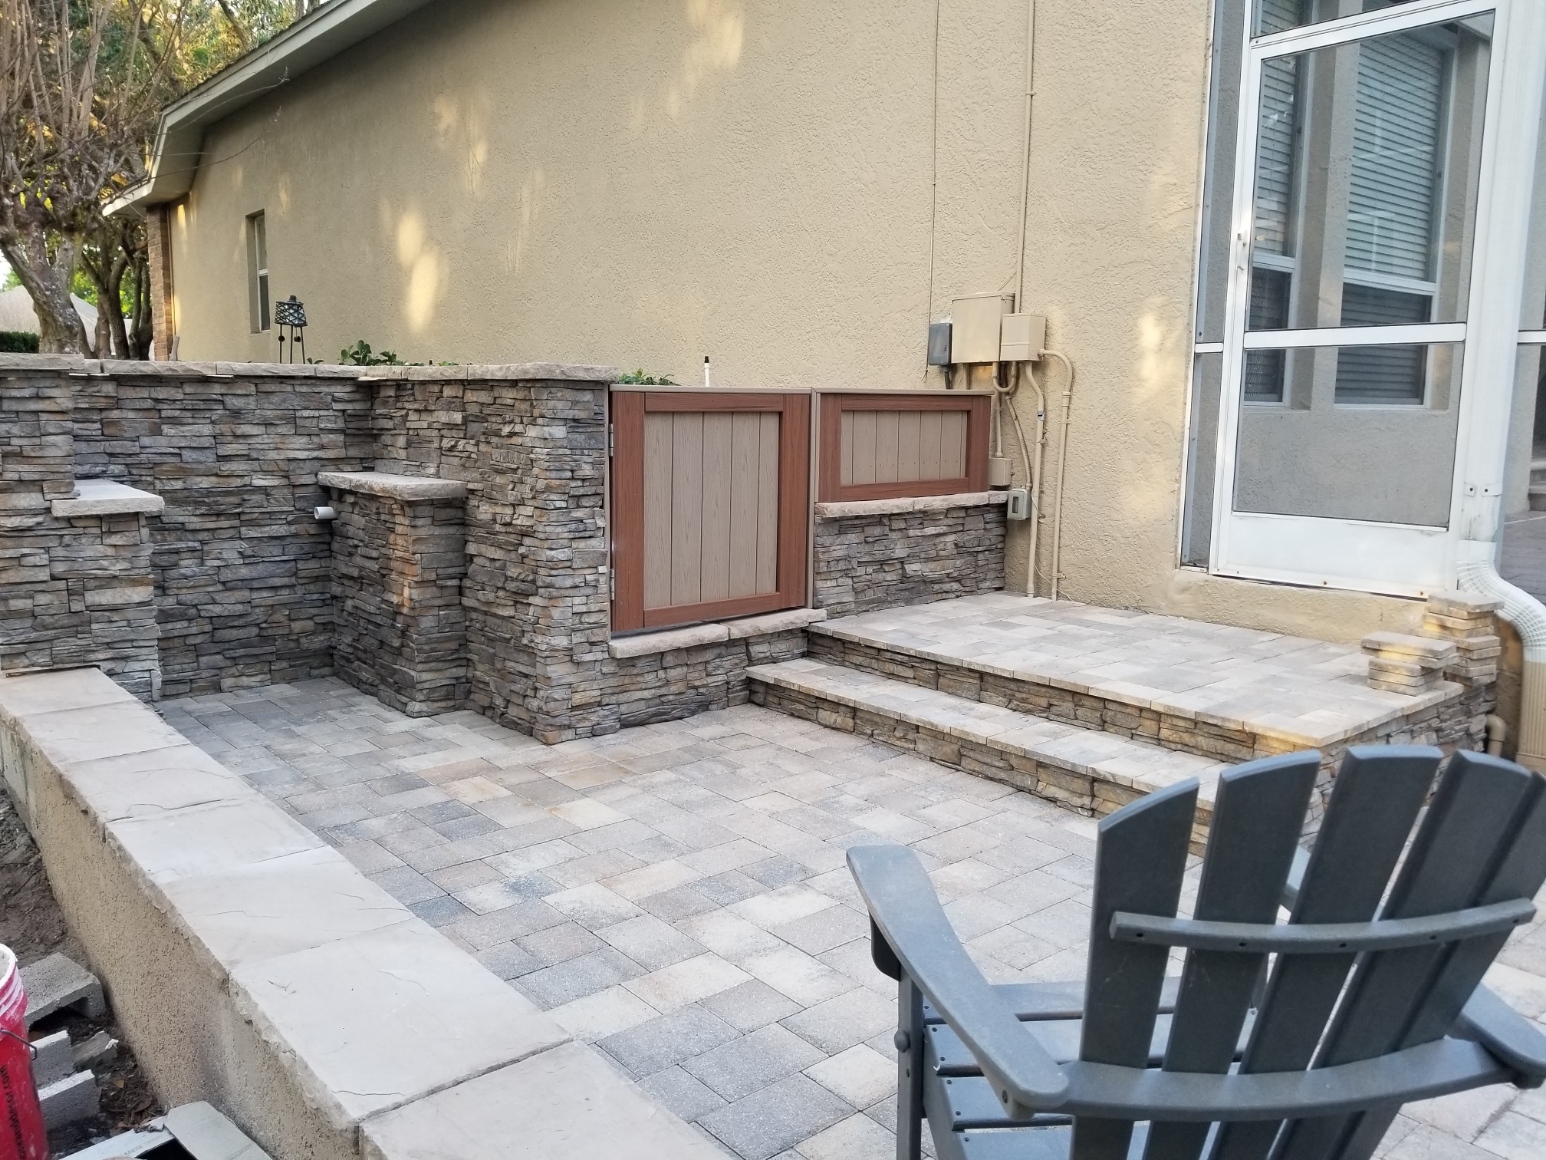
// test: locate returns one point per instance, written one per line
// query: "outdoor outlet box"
(974, 327)
(1022, 338)
(998, 471)
(1019, 506)
(939, 344)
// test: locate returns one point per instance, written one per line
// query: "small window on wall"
(257, 272)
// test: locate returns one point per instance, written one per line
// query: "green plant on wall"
(360, 355)
(638, 377)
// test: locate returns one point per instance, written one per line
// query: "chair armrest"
(906, 912)
(1515, 1040)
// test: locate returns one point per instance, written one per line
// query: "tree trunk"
(47, 281)
(142, 331)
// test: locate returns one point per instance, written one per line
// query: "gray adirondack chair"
(1278, 1041)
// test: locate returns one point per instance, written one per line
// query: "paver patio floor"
(677, 895)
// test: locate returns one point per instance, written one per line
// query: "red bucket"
(22, 1136)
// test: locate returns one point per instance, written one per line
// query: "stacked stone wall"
(74, 591)
(887, 560)
(400, 632)
(241, 566)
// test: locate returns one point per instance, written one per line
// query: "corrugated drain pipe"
(1479, 573)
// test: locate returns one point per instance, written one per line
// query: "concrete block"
(1463, 604)
(565, 1104)
(155, 781)
(100, 1049)
(107, 730)
(208, 1135)
(69, 1100)
(59, 982)
(281, 905)
(1423, 650)
(125, 1145)
(52, 1060)
(211, 839)
(59, 691)
(376, 1020)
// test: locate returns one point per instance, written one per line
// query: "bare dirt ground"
(33, 926)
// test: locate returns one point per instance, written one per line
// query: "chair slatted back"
(1374, 801)
(1139, 864)
(1255, 832)
(1482, 841)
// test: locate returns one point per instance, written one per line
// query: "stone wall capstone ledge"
(254, 967)
(103, 497)
(909, 503)
(121, 368)
(405, 488)
(649, 643)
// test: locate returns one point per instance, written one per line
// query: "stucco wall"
(794, 188)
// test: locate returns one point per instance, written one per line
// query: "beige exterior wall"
(795, 188)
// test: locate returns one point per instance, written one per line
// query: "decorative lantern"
(290, 317)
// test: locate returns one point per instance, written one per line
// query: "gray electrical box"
(975, 323)
(939, 344)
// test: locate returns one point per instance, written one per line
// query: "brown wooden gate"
(710, 505)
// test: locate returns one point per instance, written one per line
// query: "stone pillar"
(75, 574)
(399, 557)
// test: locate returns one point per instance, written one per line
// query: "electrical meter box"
(1022, 338)
(974, 327)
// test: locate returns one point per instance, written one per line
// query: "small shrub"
(360, 355)
(18, 342)
(639, 378)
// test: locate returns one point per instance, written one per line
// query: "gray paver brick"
(668, 1040)
(776, 1117)
(744, 1065)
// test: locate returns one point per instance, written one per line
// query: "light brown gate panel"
(709, 505)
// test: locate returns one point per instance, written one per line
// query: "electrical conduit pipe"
(1479, 574)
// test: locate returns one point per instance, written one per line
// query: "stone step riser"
(1434, 725)
(1080, 791)
(1048, 701)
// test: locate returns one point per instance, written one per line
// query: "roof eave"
(333, 28)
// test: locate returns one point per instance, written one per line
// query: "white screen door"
(1352, 347)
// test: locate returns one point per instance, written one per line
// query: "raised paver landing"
(1303, 691)
(677, 895)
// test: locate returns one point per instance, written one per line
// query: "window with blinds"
(1381, 228)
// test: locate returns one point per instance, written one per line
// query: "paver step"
(1090, 770)
(1537, 494)
(1538, 470)
(1226, 693)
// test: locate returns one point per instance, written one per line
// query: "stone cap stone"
(1462, 604)
(107, 497)
(406, 488)
(648, 644)
(120, 368)
(1424, 650)
(919, 503)
(494, 372)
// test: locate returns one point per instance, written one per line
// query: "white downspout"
(1479, 574)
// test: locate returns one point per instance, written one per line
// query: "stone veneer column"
(399, 557)
(76, 587)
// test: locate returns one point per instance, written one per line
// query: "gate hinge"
(610, 440)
